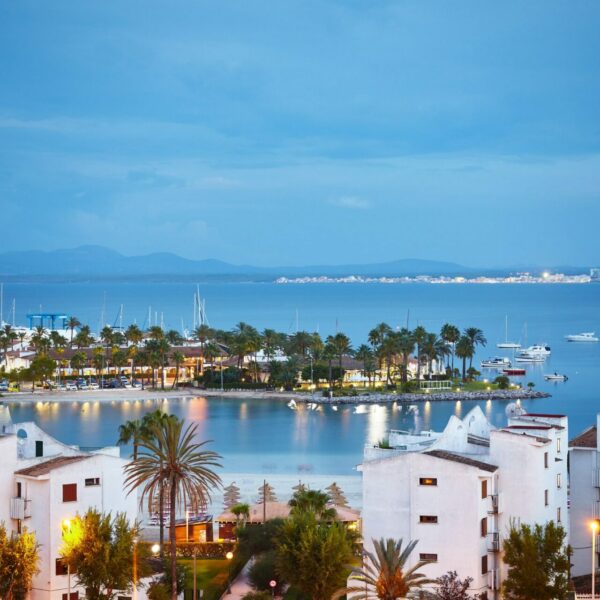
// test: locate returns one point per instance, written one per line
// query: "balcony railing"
(493, 579)
(596, 477)
(493, 542)
(493, 510)
(20, 508)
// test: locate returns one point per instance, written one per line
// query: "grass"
(211, 576)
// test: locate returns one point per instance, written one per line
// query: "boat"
(526, 357)
(514, 372)
(506, 343)
(537, 349)
(588, 336)
(498, 362)
(556, 377)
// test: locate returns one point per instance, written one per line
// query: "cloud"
(352, 202)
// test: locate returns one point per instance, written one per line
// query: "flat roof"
(529, 427)
(544, 415)
(459, 458)
(43, 468)
(523, 434)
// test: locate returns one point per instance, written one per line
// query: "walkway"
(240, 585)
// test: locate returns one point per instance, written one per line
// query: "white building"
(584, 479)
(43, 483)
(457, 492)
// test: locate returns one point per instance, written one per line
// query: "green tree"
(170, 459)
(131, 431)
(502, 381)
(451, 587)
(241, 512)
(464, 349)
(538, 562)
(477, 338)
(419, 335)
(100, 551)
(83, 338)
(450, 334)
(42, 368)
(72, 324)
(178, 358)
(367, 356)
(19, 558)
(340, 344)
(312, 556)
(313, 501)
(78, 361)
(384, 574)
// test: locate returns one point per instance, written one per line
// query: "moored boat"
(588, 336)
(514, 372)
(498, 362)
(556, 377)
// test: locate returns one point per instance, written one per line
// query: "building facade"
(458, 492)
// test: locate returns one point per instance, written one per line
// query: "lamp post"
(594, 526)
(272, 585)
(229, 556)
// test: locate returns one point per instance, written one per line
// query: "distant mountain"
(92, 262)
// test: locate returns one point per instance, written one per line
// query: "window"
(39, 448)
(428, 519)
(483, 526)
(19, 489)
(484, 565)
(545, 460)
(61, 567)
(427, 481)
(484, 491)
(92, 481)
(428, 556)
(558, 515)
(558, 445)
(558, 481)
(74, 596)
(546, 500)
(70, 492)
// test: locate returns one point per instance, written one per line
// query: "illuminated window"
(427, 481)
(428, 519)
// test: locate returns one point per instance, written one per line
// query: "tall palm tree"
(464, 349)
(384, 574)
(313, 501)
(420, 333)
(131, 431)
(72, 323)
(450, 334)
(477, 339)
(341, 345)
(134, 337)
(405, 346)
(378, 334)
(178, 358)
(366, 355)
(170, 458)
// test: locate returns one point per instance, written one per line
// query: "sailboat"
(506, 343)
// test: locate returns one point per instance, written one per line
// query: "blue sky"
(303, 132)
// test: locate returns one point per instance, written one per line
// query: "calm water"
(263, 437)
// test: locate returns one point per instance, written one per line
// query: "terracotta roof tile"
(45, 467)
(587, 439)
(462, 459)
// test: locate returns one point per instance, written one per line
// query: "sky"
(303, 132)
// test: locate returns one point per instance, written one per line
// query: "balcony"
(596, 477)
(493, 510)
(20, 508)
(493, 579)
(493, 542)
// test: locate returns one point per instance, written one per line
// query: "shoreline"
(136, 395)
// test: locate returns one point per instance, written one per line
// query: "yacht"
(506, 343)
(589, 336)
(498, 362)
(529, 357)
(555, 377)
(537, 349)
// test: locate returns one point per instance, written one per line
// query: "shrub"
(263, 571)
(502, 381)
(257, 596)
(158, 591)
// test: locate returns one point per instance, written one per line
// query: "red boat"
(511, 372)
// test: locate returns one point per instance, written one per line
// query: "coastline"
(136, 395)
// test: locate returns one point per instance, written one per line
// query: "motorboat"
(526, 357)
(498, 362)
(539, 349)
(514, 372)
(556, 377)
(589, 336)
(506, 343)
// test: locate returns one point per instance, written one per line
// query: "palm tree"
(341, 345)
(450, 334)
(133, 336)
(78, 361)
(83, 339)
(178, 358)
(171, 459)
(72, 324)
(378, 334)
(384, 574)
(107, 335)
(131, 431)
(420, 333)
(156, 332)
(366, 355)
(434, 348)
(313, 501)
(405, 346)
(477, 339)
(464, 349)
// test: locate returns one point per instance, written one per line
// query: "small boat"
(525, 357)
(506, 343)
(541, 349)
(555, 377)
(514, 372)
(588, 336)
(498, 362)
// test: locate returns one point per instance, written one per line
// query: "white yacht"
(555, 377)
(589, 336)
(506, 343)
(498, 362)
(526, 357)
(537, 349)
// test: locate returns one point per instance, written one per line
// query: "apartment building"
(458, 491)
(45, 483)
(584, 477)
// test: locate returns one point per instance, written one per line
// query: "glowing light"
(545, 274)
(155, 548)
(229, 555)
(594, 526)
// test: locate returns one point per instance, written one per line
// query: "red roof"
(530, 427)
(587, 439)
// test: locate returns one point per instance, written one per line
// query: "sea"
(267, 439)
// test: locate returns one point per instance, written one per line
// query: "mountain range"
(99, 262)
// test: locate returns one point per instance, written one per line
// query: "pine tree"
(266, 493)
(231, 495)
(337, 495)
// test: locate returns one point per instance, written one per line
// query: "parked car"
(71, 386)
(4, 385)
(136, 384)
(93, 384)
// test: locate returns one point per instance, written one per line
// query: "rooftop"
(545, 415)
(587, 439)
(529, 427)
(281, 510)
(43, 468)
(459, 458)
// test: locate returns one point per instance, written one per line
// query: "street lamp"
(229, 556)
(272, 585)
(155, 548)
(594, 528)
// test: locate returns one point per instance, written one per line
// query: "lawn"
(211, 576)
